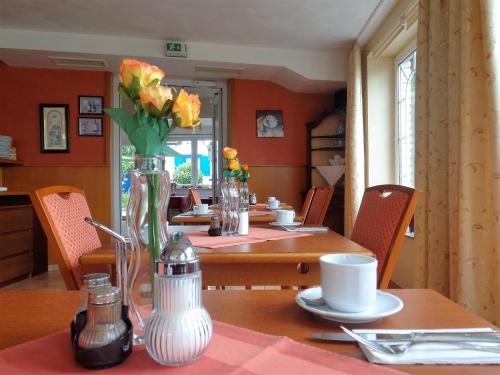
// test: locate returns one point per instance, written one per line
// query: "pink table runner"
(202, 239)
(233, 350)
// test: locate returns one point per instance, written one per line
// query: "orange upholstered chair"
(194, 195)
(61, 211)
(319, 206)
(383, 217)
(307, 202)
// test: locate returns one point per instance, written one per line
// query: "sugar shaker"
(179, 328)
(104, 318)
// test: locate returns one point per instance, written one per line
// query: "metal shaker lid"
(104, 294)
(93, 280)
(178, 257)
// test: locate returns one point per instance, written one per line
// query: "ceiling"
(306, 25)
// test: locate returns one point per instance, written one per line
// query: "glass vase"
(230, 207)
(148, 231)
(244, 196)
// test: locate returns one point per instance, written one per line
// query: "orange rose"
(146, 74)
(187, 108)
(233, 165)
(153, 99)
(229, 153)
(244, 167)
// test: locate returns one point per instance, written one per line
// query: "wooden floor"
(51, 280)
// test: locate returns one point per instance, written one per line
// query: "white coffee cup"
(274, 204)
(269, 199)
(200, 208)
(285, 216)
(348, 281)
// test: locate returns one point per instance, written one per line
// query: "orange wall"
(21, 92)
(247, 96)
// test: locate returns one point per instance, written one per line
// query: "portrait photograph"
(54, 134)
(90, 126)
(270, 123)
(91, 105)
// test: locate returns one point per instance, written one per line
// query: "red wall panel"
(247, 96)
(21, 92)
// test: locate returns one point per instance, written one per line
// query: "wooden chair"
(307, 202)
(61, 211)
(319, 206)
(194, 196)
(383, 217)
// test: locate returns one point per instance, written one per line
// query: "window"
(406, 119)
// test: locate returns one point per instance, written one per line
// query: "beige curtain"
(355, 154)
(457, 222)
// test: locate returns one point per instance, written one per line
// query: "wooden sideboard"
(23, 245)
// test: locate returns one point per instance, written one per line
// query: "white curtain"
(457, 222)
(355, 148)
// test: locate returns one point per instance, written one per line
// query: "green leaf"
(169, 151)
(123, 118)
(164, 129)
(154, 83)
(146, 141)
(167, 106)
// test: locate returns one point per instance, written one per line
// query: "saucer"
(386, 304)
(209, 213)
(291, 224)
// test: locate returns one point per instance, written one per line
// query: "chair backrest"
(61, 211)
(195, 196)
(319, 206)
(307, 202)
(383, 217)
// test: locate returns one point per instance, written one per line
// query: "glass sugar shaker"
(179, 328)
(91, 281)
(104, 318)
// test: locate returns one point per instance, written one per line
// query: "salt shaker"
(90, 282)
(179, 328)
(104, 318)
(253, 198)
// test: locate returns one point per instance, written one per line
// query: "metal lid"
(104, 295)
(178, 257)
(94, 280)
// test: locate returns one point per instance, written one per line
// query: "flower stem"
(154, 245)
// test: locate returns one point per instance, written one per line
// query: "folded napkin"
(431, 353)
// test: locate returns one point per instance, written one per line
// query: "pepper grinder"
(179, 328)
(90, 282)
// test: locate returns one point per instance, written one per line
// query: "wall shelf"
(7, 162)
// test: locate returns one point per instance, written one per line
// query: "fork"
(400, 349)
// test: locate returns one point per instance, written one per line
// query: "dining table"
(257, 214)
(29, 315)
(286, 262)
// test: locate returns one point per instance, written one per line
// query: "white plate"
(292, 224)
(387, 304)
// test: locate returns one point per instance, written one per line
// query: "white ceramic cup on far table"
(200, 209)
(348, 281)
(274, 204)
(285, 216)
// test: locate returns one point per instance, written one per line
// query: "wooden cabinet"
(325, 139)
(23, 249)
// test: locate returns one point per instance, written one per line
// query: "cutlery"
(399, 349)
(493, 336)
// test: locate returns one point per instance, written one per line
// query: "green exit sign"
(175, 49)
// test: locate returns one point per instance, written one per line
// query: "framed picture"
(54, 128)
(90, 105)
(90, 126)
(270, 123)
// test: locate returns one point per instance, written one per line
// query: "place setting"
(348, 295)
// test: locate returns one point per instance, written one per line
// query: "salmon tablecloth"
(202, 239)
(233, 350)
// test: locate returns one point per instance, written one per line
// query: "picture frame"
(54, 128)
(270, 123)
(90, 126)
(90, 105)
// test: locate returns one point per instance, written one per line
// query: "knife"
(489, 336)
